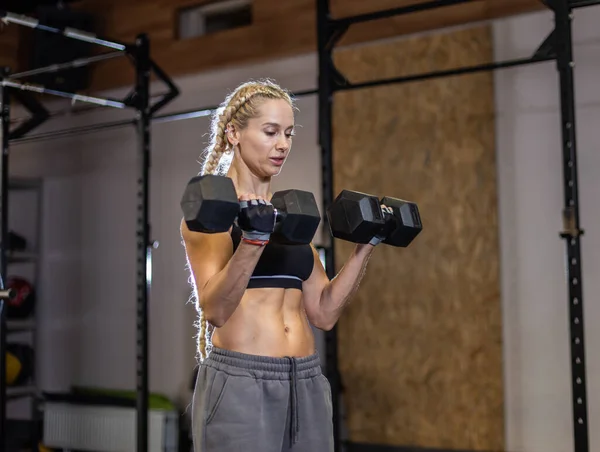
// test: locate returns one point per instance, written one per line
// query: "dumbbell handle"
(280, 215)
(386, 211)
(388, 222)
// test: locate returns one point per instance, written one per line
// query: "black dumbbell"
(358, 217)
(210, 204)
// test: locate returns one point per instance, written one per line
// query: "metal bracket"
(547, 49)
(570, 228)
(132, 99)
(39, 114)
(334, 32)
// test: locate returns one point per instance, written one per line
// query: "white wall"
(535, 296)
(89, 323)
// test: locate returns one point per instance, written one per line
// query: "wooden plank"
(420, 345)
(285, 11)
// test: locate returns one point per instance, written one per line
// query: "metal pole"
(76, 97)
(584, 3)
(325, 94)
(448, 73)
(5, 130)
(80, 62)
(142, 99)
(156, 119)
(400, 11)
(572, 232)
(73, 33)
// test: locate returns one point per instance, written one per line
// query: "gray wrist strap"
(375, 241)
(255, 235)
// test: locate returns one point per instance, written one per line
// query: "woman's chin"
(273, 170)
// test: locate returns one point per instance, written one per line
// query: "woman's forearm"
(222, 294)
(340, 289)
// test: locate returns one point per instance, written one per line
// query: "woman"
(260, 385)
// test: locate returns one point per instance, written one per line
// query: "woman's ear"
(232, 135)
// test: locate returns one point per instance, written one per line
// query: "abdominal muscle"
(268, 322)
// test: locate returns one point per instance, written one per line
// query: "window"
(212, 17)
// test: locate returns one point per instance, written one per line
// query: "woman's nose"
(283, 145)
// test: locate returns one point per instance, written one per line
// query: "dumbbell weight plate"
(408, 221)
(210, 204)
(355, 217)
(300, 216)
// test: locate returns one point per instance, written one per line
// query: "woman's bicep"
(207, 254)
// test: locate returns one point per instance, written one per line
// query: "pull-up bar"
(80, 62)
(419, 7)
(69, 32)
(75, 97)
(426, 6)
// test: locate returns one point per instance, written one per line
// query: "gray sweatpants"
(250, 403)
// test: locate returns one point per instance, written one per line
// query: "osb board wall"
(279, 29)
(420, 344)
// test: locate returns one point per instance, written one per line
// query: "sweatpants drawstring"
(294, 419)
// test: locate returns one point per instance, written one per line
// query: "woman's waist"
(268, 323)
(269, 335)
(263, 366)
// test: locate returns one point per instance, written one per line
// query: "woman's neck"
(246, 182)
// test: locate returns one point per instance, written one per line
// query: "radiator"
(106, 428)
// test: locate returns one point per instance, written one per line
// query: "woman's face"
(266, 141)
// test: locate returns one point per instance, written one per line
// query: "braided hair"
(237, 108)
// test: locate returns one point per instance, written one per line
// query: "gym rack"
(12, 85)
(558, 47)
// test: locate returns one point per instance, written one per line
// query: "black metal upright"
(325, 93)
(563, 43)
(5, 130)
(142, 105)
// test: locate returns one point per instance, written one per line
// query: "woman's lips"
(277, 161)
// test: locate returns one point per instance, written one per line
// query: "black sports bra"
(285, 266)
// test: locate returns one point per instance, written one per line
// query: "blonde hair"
(238, 107)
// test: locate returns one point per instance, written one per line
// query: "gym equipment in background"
(20, 362)
(105, 419)
(22, 305)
